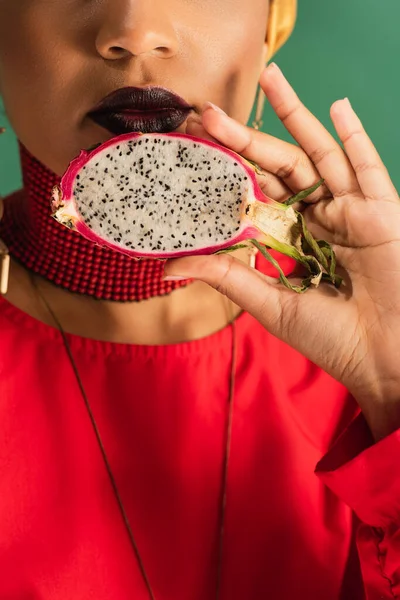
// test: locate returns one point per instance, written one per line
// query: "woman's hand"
(354, 333)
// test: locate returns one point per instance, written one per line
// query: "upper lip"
(141, 100)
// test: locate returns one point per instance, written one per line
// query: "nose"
(136, 28)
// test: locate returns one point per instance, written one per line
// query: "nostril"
(117, 50)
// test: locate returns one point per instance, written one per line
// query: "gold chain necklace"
(228, 440)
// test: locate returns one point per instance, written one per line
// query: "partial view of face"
(60, 58)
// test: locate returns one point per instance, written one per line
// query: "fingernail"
(343, 114)
(274, 67)
(174, 278)
(214, 107)
(344, 103)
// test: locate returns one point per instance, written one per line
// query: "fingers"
(321, 147)
(254, 292)
(286, 161)
(372, 175)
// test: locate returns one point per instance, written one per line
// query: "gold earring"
(272, 46)
(260, 105)
(4, 260)
(4, 268)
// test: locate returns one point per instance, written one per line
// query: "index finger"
(286, 161)
(322, 148)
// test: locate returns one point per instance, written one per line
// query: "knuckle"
(226, 264)
(319, 154)
(289, 168)
(279, 322)
(286, 112)
(246, 147)
(364, 166)
(353, 134)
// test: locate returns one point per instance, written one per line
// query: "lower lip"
(128, 121)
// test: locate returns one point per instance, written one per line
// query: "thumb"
(253, 291)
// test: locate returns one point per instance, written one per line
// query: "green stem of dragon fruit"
(317, 256)
(304, 194)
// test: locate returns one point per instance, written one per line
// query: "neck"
(190, 313)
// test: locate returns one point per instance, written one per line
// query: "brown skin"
(59, 58)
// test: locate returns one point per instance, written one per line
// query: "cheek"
(41, 78)
(236, 54)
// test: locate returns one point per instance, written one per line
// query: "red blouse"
(290, 534)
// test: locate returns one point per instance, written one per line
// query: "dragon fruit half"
(170, 195)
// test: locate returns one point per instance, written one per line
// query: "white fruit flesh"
(143, 198)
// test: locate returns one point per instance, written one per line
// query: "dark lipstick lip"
(154, 121)
(145, 110)
(141, 99)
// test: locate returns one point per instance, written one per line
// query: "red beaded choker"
(65, 258)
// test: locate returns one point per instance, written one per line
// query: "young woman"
(159, 435)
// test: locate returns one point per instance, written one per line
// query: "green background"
(339, 48)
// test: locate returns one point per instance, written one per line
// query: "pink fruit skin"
(67, 185)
